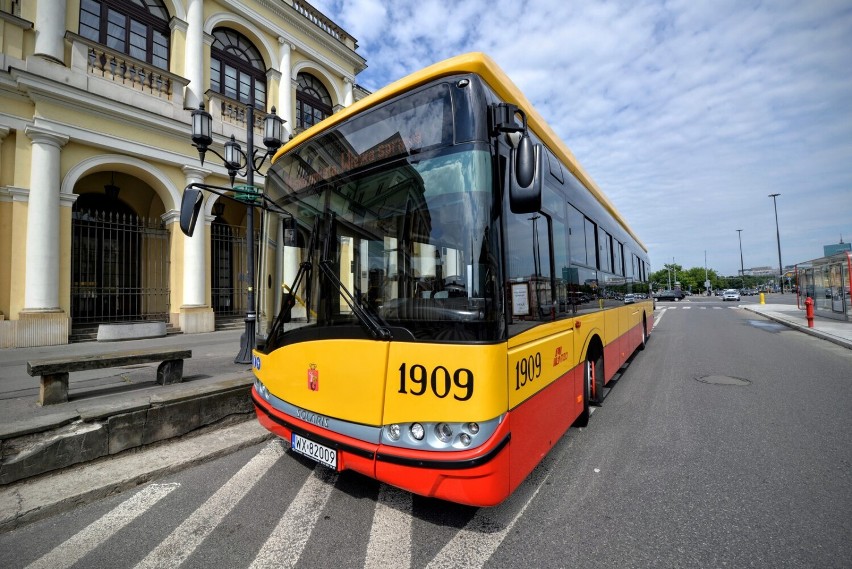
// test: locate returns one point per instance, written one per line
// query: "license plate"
(320, 453)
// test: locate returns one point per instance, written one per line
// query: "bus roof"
(485, 67)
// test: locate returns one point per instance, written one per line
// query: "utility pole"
(778, 238)
(742, 268)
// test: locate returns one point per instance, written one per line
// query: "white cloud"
(688, 114)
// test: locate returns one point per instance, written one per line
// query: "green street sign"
(247, 194)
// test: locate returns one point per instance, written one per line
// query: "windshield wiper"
(376, 329)
(288, 299)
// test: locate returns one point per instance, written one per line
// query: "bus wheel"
(595, 379)
(644, 333)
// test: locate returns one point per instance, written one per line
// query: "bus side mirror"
(190, 208)
(525, 177)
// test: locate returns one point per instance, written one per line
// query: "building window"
(313, 102)
(237, 70)
(138, 28)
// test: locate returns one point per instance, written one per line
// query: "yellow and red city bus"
(466, 290)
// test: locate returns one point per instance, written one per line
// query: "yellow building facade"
(95, 105)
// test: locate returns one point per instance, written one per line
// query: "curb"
(87, 432)
(810, 331)
(37, 498)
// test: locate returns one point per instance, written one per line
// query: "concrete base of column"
(41, 328)
(196, 319)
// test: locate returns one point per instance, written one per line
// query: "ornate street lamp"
(237, 163)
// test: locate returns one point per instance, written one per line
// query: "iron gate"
(119, 268)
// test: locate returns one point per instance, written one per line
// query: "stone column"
(42, 273)
(42, 322)
(285, 89)
(196, 315)
(50, 30)
(194, 55)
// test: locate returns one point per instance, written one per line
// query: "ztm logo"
(255, 361)
(559, 357)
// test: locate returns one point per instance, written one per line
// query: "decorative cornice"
(295, 19)
(170, 216)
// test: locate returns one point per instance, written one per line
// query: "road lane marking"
(285, 544)
(183, 541)
(87, 539)
(390, 536)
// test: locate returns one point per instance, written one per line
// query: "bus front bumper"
(478, 477)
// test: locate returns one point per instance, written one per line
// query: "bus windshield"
(395, 225)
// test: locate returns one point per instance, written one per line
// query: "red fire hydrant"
(809, 311)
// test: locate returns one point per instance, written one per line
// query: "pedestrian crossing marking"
(81, 544)
(183, 541)
(285, 544)
(390, 535)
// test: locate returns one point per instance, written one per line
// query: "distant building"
(829, 250)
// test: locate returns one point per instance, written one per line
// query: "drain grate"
(723, 380)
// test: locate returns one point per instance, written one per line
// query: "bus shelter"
(827, 280)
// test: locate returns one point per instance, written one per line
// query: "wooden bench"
(54, 372)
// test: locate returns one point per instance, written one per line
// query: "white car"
(629, 298)
(731, 294)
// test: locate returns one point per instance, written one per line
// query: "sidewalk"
(116, 409)
(836, 331)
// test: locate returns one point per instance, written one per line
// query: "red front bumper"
(478, 477)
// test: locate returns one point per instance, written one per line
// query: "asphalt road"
(726, 443)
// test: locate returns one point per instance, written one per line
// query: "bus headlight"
(444, 432)
(442, 436)
(393, 432)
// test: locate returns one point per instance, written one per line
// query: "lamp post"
(742, 268)
(245, 164)
(778, 239)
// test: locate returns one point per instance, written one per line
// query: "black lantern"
(202, 125)
(272, 127)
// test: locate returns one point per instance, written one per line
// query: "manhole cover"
(723, 380)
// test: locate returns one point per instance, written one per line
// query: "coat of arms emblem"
(313, 378)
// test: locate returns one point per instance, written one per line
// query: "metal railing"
(119, 268)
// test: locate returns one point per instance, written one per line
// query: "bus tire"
(644, 333)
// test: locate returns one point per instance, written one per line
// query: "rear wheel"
(644, 333)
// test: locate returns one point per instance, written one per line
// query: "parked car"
(731, 294)
(629, 299)
(669, 295)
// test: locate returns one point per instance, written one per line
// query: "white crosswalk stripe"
(284, 546)
(74, 549)
(390, 536)
(181, 543)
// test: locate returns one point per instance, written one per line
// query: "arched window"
(139, 28)
(236, 68)
(313, 102)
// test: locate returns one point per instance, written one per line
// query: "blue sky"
(687, 113)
